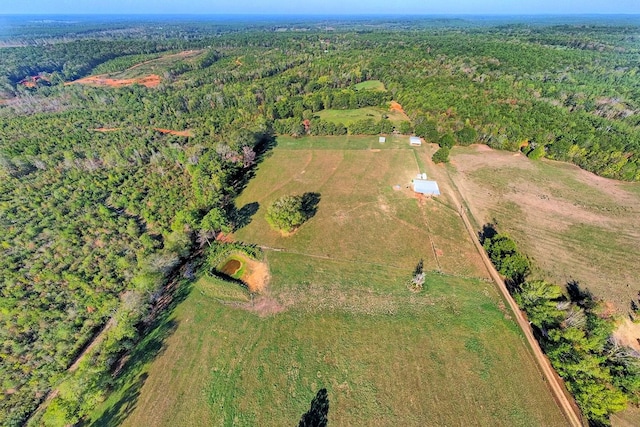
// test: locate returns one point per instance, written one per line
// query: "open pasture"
(347, 117)
(446, 356)
(338, 314)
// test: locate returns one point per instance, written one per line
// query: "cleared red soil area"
(32, 81)
(395, 106)
(150, 81)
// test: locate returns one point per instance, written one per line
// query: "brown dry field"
(574, 225)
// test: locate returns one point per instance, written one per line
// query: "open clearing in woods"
(338, 314)
(348, 117)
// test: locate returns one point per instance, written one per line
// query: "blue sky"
(320, 6)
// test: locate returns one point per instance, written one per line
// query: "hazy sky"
(321, 6)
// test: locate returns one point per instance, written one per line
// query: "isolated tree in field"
(417, 282)
(286, 214)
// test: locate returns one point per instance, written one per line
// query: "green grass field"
(370, 85)
(338, 314)
(347, 117)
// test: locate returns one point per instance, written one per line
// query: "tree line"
(574, 330)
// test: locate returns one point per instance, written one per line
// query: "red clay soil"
(225, 238)
(395, 106)
(150, 81)
(175, 132)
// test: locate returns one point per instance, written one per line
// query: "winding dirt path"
(554, 382)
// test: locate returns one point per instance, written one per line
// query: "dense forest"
(99, 207)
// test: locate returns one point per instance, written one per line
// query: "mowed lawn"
(342, 317)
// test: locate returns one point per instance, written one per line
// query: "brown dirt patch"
(628, 334)
(397, 109)
(266, 305)
(175, 132)
(257, 276)
(150, 81)
(225, 238)
(231, 267)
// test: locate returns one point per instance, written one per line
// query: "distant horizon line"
(407, 14)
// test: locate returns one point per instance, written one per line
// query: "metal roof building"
(415, 140)
(423, 186)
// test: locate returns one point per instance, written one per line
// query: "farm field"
(338, 314)
(347, 117)
(573, 224)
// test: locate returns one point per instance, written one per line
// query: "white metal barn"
(415, 140)
(423, 186)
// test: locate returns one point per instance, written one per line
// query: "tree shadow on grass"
(243, 216)
(317, 415)
(128, 375)
(263, 149)
(119, 412)
(583, 297)
(310, 202)
(488, 232)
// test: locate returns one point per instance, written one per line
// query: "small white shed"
(414, 140)
(382, 140)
